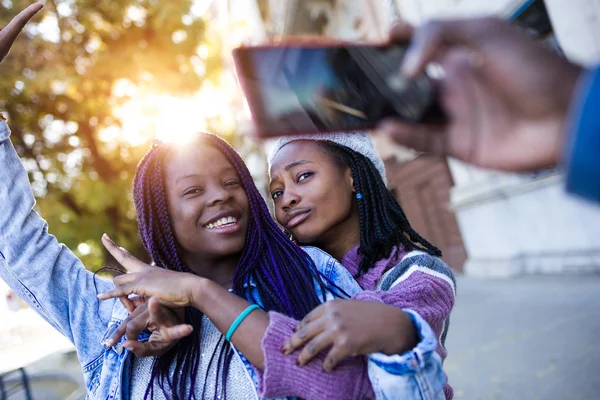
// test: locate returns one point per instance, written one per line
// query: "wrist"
(197, 289)
(403, 335)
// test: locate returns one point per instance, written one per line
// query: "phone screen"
(303, 89)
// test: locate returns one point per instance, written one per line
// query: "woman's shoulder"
(417, 261)
(333, 271)
(323, 260)
(312, 250)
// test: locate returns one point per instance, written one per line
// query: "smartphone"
(298, 88)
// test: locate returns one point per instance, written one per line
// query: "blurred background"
(91, 83)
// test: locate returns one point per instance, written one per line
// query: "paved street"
(535, 337)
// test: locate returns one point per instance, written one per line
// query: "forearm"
(425, 285)
(433, 310)
(401, 335)
(42, 271)
(222, 308)
(282, 377)
(399, 375)
(259, 338)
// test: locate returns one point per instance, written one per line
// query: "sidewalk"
(534, 337)
(48, 358)
(27, 338)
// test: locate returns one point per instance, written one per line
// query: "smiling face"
(313, 194)
(207, 203)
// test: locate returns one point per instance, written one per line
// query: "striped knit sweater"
(427, 286)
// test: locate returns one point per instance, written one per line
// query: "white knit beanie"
(358, 141)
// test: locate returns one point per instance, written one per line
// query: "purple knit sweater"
(426, 293)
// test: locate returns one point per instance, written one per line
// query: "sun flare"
(147, 115)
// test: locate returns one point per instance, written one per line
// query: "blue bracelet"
(239, 320)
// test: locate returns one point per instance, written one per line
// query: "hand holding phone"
(298, 88)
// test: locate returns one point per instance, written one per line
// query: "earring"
(289, 235)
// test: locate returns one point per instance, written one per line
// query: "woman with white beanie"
(329, 191)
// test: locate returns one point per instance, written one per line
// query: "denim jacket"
(54, 282)
(583, 149)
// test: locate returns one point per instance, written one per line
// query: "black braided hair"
(383, 224)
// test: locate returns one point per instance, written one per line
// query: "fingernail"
(296, 328)
(282, 350)
(297, 363)
(109, 239)
(409, 65)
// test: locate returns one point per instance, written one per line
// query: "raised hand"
(167, 327)
(173, 289)
(14, 27)
(506, 95)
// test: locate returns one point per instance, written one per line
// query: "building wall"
(528, 227)
(422, 187)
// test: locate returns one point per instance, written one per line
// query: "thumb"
(160, 315)
(167, 322)
(9, 34)
(401, 32)
(420, 137)
(176, 332)
(434, 38)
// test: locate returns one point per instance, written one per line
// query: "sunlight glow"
(147, 115)
(48, 28)
(136, 14)
(84, 249)
(199, 7)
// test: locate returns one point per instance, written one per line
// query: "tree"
(57, 90)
